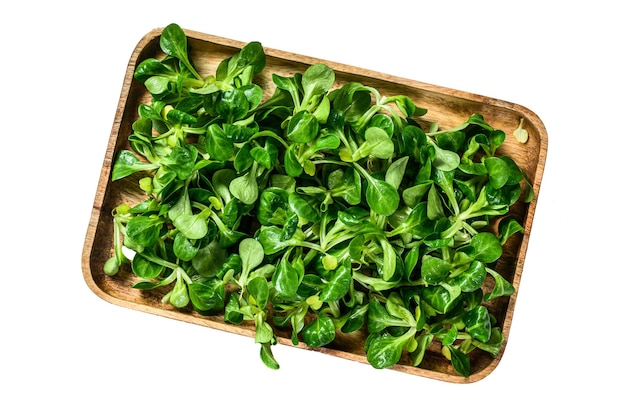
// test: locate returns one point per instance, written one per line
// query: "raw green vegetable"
(319, 210)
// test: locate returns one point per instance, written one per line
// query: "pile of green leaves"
(319, 210)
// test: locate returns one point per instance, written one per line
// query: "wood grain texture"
(446, 106)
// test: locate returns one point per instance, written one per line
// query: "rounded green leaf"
(303, 127)
(184, 249)
(261, 156)
(303, 208)
(192, 226)
(382, 197)
(286, 279)
(472, 278)
(173, 41)
(232, 105)
(434, 270)
(207, 296)
(293, 167)
(487, 247)
(157, 84)
(319, 332)
(384, 351)
(259, 290)
(498, 170)
(251, 252)
(267, 356)
(145, 268)
(378, 144)
(144, 230)
(273, 206)
(178, 296)
(218, 145)
(209, 259)
(270, 238)
(439, 298)
(317, 79)
(478, 323)
(339, 284)
(460, 361)
(445, 160)
(245, 187)
(254, 95)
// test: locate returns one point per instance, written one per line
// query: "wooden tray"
(446, 106)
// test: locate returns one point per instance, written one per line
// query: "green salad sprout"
(318, 210)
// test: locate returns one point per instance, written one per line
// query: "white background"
(65, 351)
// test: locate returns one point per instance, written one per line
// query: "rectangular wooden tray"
(446, 106)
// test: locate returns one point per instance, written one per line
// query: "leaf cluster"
(323, 209)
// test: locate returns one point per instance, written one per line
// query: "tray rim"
(96, 210)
